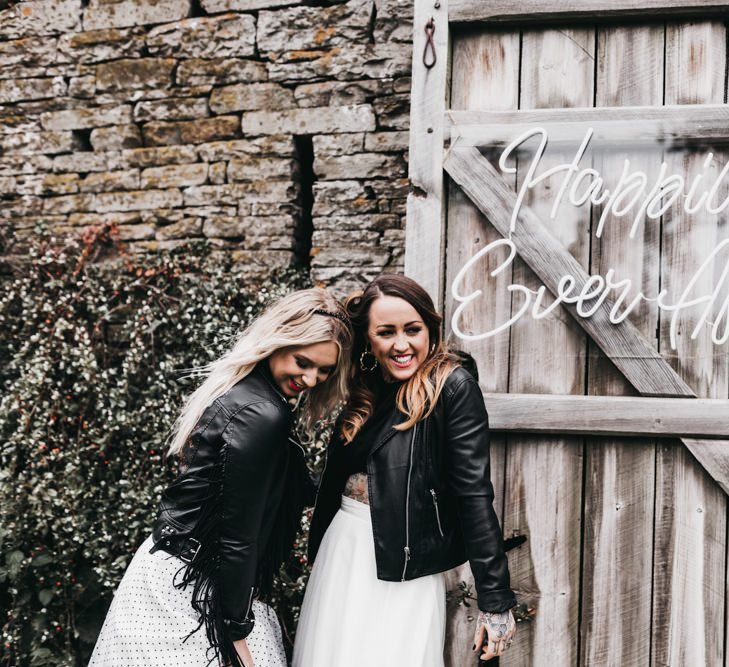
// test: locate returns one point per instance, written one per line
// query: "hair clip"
(339, 316)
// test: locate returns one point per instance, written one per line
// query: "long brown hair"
(417, 397)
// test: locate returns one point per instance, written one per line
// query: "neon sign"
(631, 196)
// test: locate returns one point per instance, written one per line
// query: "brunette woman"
(406, 494)
(193, 593)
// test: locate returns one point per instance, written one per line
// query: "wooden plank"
(690, 529)
(539, 11)
(713, 456)
(673, 126)
(629, 351)
(485, 75)
(424, 231)
(620, 480)
(544, 475)
(609, 415)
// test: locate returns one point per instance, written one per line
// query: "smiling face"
(295, 369)
(398, 337)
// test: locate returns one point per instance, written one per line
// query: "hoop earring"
(363, 361)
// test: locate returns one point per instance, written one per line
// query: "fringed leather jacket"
(227, 516)
(430, 495)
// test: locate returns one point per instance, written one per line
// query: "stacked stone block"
(177, 119)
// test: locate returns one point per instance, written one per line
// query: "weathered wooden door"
(623, 500)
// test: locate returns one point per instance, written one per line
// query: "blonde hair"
(417, 397)
(288, 322)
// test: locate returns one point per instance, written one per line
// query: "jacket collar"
(265, 372)
(390, 433)
(396, 418)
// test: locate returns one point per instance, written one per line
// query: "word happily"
(632, 195)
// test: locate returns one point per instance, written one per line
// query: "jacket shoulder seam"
(257, 402)
(221, 407)
(451, 391)
(204, 427)
(231, 415)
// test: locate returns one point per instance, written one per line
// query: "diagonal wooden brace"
(640, 363)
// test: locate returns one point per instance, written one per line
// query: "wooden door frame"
(502, 12)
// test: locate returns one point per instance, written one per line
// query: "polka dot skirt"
(149, 619)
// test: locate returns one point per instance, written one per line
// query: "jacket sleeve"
(253, 440)
(468, 477)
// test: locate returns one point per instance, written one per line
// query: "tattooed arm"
(494, 632)
(356, 488)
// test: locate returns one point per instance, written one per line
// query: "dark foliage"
(93, 348)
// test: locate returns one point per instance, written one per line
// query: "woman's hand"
(243, 653)
(497, 629)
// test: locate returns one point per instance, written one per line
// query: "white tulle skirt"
(350, 617)
(149, 619)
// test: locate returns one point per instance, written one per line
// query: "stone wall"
(274, 128)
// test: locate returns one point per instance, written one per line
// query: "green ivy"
(93, 344)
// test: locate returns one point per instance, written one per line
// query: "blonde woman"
(406, 495)
(193, 593)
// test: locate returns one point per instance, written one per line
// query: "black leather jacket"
(227, 516)
(430, 496)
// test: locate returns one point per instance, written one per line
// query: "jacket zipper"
(321, 478)
(437, 513)
(250, 604)
(299, 445)
(407, 505)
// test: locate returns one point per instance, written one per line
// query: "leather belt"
(184, 548)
